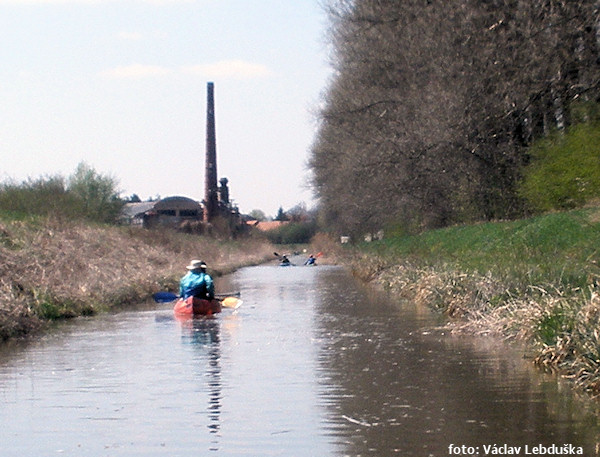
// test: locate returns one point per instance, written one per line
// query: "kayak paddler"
(197, 282)
(311, 260)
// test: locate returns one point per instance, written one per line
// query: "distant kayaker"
(285, 260)
(197, 283)
(311, 260)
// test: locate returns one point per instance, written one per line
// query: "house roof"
(177, 203)
(137, 209)
(265, 226)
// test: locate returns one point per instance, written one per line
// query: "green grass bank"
(534, 280)
(53, 269)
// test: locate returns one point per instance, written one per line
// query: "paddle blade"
(228, 294)
(164, 297)
(231, 302)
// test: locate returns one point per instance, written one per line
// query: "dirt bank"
(53, 269)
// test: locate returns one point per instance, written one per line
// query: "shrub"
(293, 233)
(565, 169)
(97, 193)
(42, 196)
(85, 195)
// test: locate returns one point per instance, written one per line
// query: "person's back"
(192, 285)
(196, 282)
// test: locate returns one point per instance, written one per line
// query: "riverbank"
(52, 269)
(534, 280)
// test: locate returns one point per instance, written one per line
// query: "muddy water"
(310, 365)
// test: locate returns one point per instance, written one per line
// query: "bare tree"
(433, 104)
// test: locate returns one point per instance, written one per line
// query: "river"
(312, 365)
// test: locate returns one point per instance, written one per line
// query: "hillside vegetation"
(535, 280)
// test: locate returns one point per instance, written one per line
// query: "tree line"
(433, 106)
(91, 196)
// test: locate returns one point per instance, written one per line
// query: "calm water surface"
(310, 365)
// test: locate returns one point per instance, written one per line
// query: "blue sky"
(121, 85)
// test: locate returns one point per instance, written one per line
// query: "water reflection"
(393, 385)
(201, 331)
(204, 334)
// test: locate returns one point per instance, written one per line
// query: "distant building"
(170, 211)
(133, 213)
(216, 211)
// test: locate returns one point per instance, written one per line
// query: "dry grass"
(576, 353)
(562, 331)
(58, 269)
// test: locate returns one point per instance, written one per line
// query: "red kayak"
(196, 307)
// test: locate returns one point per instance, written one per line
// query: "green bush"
(97, 194)
(293, 233)
(85, 195)
(43, 196)
(564, 172)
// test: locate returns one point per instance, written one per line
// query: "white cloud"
(135, 71)
(235, 69)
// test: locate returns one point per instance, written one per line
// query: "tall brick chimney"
(210, 177)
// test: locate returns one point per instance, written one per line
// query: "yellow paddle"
(231, 302)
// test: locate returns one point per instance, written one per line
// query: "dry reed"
(58, 269)
(561, 331)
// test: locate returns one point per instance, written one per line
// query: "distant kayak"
(285, 264)
(196, 307)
